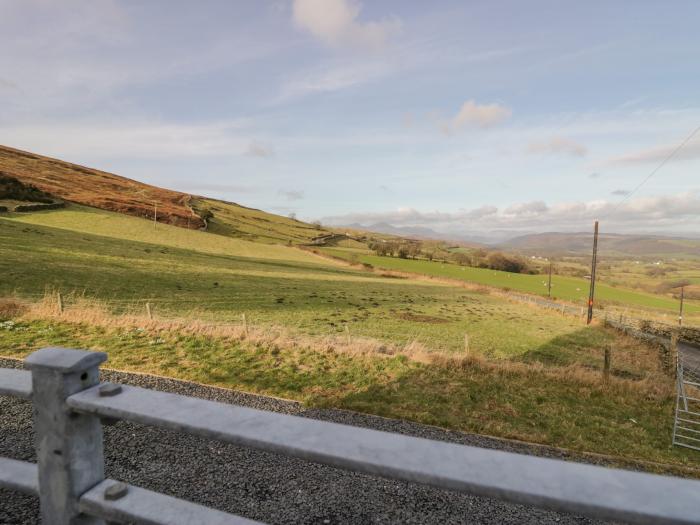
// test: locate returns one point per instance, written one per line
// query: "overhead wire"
(654, 171)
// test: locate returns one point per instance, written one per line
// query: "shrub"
(10, 308)
(507, 263)
(11, 188)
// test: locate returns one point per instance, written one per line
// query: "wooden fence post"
(245, 325)
(672, 358)
(466, 344)
(606, 364)
(149, 313)
(59, 303)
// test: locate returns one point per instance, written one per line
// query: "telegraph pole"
(593, 268)
(549, 284)
(680, 313)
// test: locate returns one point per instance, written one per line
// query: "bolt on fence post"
(68, 445)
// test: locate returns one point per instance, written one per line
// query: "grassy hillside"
(240, 306)
(567, 288)
(97, 188)
(562, 406)
(126, 261)
(327, 334)
(237, 221)
(107, 191)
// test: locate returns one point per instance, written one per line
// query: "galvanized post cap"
(65, 360)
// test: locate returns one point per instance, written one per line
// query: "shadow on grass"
(533, 406)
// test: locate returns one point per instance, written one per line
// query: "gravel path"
(265, 486)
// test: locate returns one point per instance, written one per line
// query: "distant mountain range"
(417, 232)
(554, 243)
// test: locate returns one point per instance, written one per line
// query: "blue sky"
(464, 117)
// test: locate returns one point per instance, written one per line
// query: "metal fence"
(686, 428)
(70, 406)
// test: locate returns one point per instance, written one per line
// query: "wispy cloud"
(335, 23)
(258, 149)
(8, 85)
(291, 195)
(335, 76)
(478, 115)
(128, 138)
(558, 146)
(657, 154)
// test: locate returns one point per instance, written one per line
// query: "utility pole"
(549, 283)
(680, 313)
(593, 267)
(155, 214)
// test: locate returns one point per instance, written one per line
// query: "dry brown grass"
(96, 188)
(11, 307)
(82, 310)
(654, 384)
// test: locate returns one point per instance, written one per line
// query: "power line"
(653, 172)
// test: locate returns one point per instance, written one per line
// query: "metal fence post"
(68, 445)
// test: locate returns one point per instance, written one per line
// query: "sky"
(469, 118)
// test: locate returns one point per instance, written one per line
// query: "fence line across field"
(70, 404)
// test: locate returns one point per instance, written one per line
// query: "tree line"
(478, 258)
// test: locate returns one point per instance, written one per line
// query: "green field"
(628, 417)
(125, 262)
(528, 374)
(567, 288)
(233, 220)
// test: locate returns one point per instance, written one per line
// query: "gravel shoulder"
(264, 486)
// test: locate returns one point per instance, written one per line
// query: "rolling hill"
(610, 243)
(213, 307)
(107, 191)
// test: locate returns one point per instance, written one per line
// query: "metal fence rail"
(16, 383)
(686, 427)
(19, 475)
(69, 403)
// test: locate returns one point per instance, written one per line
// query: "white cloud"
(479, 115)
(558, 146)
(335, 23)
(680, 212)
